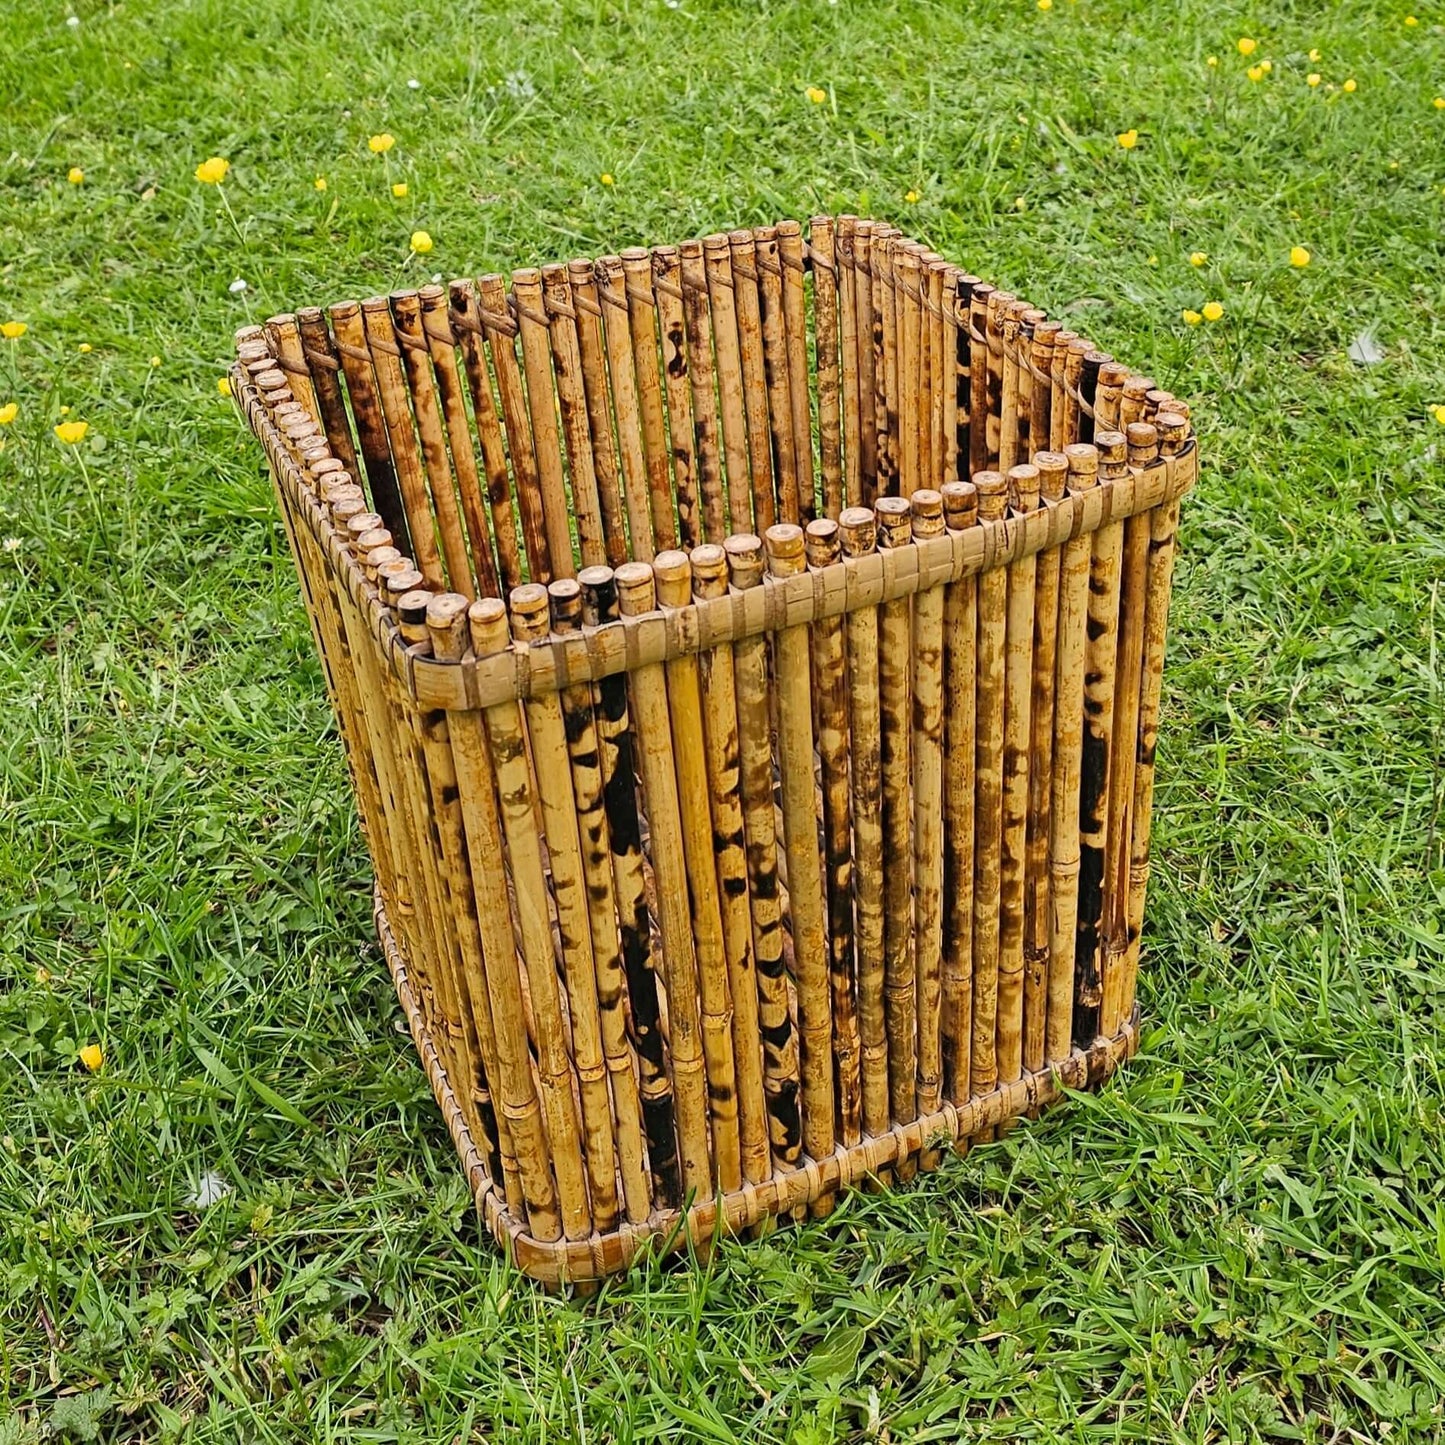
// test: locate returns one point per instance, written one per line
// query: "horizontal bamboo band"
(532, 669)
(568, 1261)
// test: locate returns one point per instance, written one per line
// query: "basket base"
(583, 1261)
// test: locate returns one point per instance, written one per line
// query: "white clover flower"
(237, 286)
(413, 84)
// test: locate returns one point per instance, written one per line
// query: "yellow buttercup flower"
(1212, 311)
(1438, 412)
(399, 190)
(1315, 56)
(911, 197)
(1439, 102)
(1411, 21)
(9, 412)
(13, 330)
(1191, 318)
(1128, 139)
(320, 183)
(1350, 86)
(607, 179)
(1197, 258)
(223, 385)
(155, 361)
(421, 243)
(1255, 72)
(816, 95)
(92, 1056)
(84, 348)
(213, 171)
(71, 432)
(1046, 4)
(1213, 62)
(1313, 78)
(380, 144)
(75, 175)
(1298, 256)
(1246, 46)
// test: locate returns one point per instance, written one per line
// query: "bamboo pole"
(963, 375)
(441, 344)
(978, 363)
(615, 758)
(720, 718)
(1143, 455)
(869, 343)
(960, 634)
(1041, 399)
(547, 734)
(795, 320)
(775, 371)
(667, 286)
(785, 545)
(673, 575)
(1059, 437)
(642, 317)
(845, 262)
(652, 728)
(583, 496)
(1100, 662)
(612, 284)
(927, 757)
(911, 415)
(1009, 322)
(703, 375)
(825, 342)
(885, 359)
(830, 687)
(1067, 761)
(466, 321)
(499, 327)
(940, 374)
(323, 365)
(996, 365)
(587, 789)
(755, 390)
(534, 330)
(755, 758)
(717, 262)
(859, 537)
(592, 349)
(508, 747)
(1023, 481)
(1053, 468)
(988, 797)
(894, 696)
(1108, 395)
(1089, 424)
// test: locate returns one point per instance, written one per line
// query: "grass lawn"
(1242, 1238)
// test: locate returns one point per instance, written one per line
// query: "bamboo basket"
(747, 655)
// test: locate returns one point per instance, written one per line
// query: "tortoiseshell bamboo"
(441, 344)
(885, 359)
(720, 736)
(592, 349)
(847, 301)
(1100, 661)
(1058, 397)
(672, 573)
(1029, 437)
(962, 305)
(587, 790)
(755, 759)
(988, 796)
(508, 748)
(996, 362)
(1053, 469)
(652, 727)
(323, 363)
(1133, 400)
(421, 382)
(1074, 417)
(791, 670)
(894, 695)
(1009, 319)
(1041, 398)
(1089, 424)
(547, 734)
(642, 316)
(830, 691)
(703, 377)
(1023, 482)
(718, 264)
(795, 319)
(1083, 464)
(612, 289)
(534, 329)
(755, 387)
(940, 374)
(775, 370)
(619, 784)
(466, 324)
(370, 425)
(978, 363)
(667, 286)
(859, 537)
(585, 503)
(500, 329)
(960, 638)
(1173, 431)
(927, 516)
(825, 344)
(1108, 394)
(864, 321)
(1144, 458)
(910, 401)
